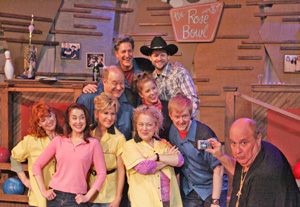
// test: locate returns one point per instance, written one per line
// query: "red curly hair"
(39, 111)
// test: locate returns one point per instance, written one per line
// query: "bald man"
(113, 82)
(262, 174)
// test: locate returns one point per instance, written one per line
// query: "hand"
(90, 88)
(116, 202)
(26, 182)
(216, 150)
(81, 198)
(173, 150)
(49, 194)
(177, 65)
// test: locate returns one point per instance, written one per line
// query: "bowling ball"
(4, 154)
(297, 171)
(13, 186)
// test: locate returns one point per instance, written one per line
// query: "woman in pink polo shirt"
(74, 152)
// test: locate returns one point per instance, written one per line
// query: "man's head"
(245, 139)
(159, 53)
(114, 80)
(124, 52)
(180, 111)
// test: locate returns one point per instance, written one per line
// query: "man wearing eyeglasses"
(113, 82)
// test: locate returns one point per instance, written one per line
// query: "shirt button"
(158, 187)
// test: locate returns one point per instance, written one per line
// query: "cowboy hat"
(158, 43)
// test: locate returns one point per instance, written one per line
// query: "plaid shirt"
(176, 81)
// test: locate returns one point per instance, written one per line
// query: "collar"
(192, 132)
(111, 130)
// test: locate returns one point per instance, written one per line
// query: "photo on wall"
(70, 51)
(92, 57)
(291, 64)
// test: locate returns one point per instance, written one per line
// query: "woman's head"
(106, 107)
(146, 87)
(77, 119)
(147, 121)
(43, 120)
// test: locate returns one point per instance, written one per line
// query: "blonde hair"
(151, 111)
(179, 103)
(106, 101)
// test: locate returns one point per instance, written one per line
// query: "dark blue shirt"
(198, 166)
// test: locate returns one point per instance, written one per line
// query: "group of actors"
(135, 134)
(70, 52)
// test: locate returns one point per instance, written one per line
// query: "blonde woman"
(112, 141)
(150, 162)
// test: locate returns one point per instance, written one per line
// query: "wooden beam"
(87, 16)
(151, 8)
(290, 48)
(234, 68)
(20, 30)
(229, 6)
(83, 26)
(249, 57)
(19, 16)
(250, 3)
(249, 47)
(117, 9)
(270, 42)
(160, 13)
(7, 166)
(147, 34)
(14, 198)
(155, 24)
(8, 22)
(212, 105)
(267, 14)
(232, 37)
(291, 19)
(198, 80)
(26, 41)
(208, 93)
(75, 10)
(76, 32)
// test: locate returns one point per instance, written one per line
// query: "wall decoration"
(70, 50)
(91, 57)
(291, 63)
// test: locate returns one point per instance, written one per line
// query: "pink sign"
(197, 22)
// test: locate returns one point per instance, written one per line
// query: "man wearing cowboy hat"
(170, 82)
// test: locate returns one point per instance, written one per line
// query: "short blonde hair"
(179, 103)
(106, 101)
(151, 111)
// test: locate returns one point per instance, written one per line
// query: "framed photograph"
(70, 51)
(291, 63)
(91, 57)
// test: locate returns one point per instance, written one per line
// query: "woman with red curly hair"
(43, 128)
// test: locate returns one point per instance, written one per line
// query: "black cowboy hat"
(158, 43)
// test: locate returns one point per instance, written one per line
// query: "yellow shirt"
(144, 190)
(112, 145)
(29, 149)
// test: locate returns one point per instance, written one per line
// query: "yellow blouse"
(29, 149)
(112, 145)
(145, 190)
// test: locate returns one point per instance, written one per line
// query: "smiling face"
(159, 59)
(149, 92)
(125, 56)
(146, 127)
(77, 120)
(48, 123)
(181, 119)
(115, 82)
(106, 118)
(244, 145)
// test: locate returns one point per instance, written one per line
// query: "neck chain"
(241, 186)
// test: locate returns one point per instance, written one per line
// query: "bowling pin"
(8, 68)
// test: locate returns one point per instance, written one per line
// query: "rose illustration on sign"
(196, 23)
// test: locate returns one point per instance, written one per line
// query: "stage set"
(243, 57)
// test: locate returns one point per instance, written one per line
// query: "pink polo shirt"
(73, 164)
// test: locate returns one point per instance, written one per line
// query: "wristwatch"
(215, 201)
